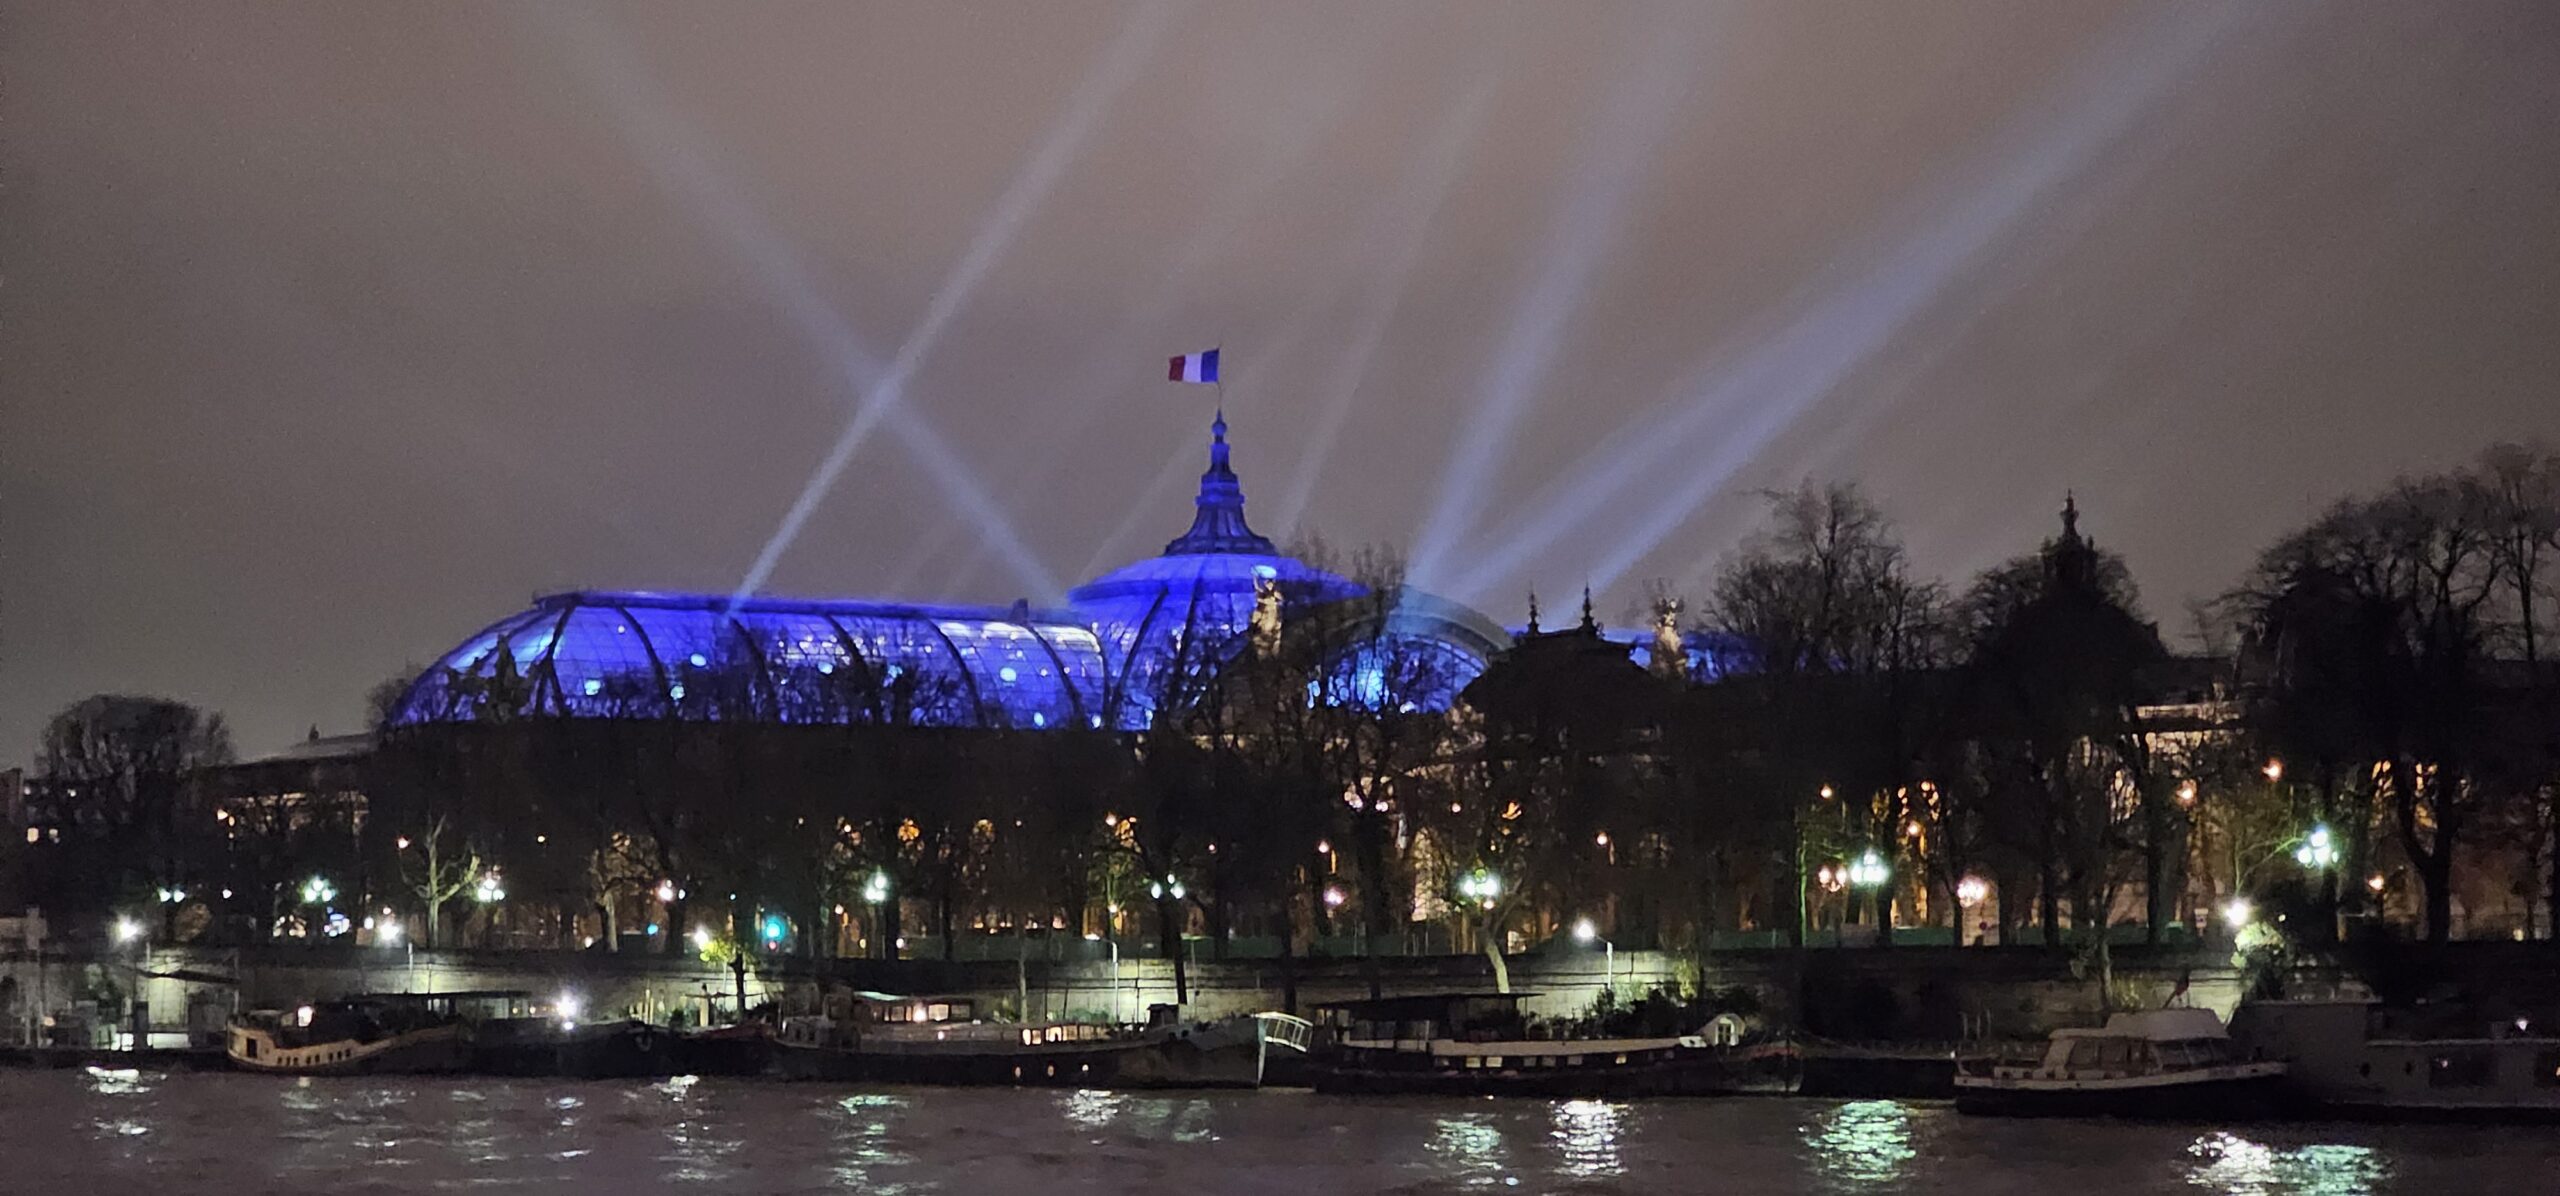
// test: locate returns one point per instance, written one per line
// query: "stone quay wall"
(1931, 994)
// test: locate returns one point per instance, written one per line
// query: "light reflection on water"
(89, 1135)
(2235, 1166)
(1586, 1134)
(1471, 1148)
(1092, 1108)
(1864, 1142)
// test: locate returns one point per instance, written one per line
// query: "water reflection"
(2236, 1166)
(1586, 1133)
(119, 1081)
(1470, 1147)
(1862, 1142)
(1092, 1108)
(866, 1158)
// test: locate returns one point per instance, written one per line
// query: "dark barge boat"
(2164, 1064)
(1476, 1044)
(940, 1040)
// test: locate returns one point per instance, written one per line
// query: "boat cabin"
(1412, 1023)
(2149, 1043)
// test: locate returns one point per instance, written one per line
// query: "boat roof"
(1415, 1003)
(458, 994)
(2158, 1025)
(881, 998)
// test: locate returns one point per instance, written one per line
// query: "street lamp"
(2316, 852)
(1586, 933)
(1971, 890)
(2239, 912)
(318, 891)
(1870, 871)
(1481, 887)
(127, 930)
(1115, 970)
(489, 889)
(1160, 889)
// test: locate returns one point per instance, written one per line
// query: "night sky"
(330, 333)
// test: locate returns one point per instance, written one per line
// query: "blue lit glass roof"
(606, 654)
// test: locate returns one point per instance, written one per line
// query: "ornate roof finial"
(2070, 516)
(1588, 623)
(1533, 612)
(1218, 525)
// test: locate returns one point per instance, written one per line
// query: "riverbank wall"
(1897, 994)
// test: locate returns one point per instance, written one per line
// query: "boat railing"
(1286, 1030)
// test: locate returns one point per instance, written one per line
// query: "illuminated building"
(1097, 662)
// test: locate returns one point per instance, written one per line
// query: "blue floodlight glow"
(1744, 397)
(1638, 115)
(1094, 663)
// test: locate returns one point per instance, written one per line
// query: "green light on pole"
(2317, 852)
(1870, 871)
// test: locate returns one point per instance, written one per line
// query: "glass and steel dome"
(606, 654)
(1100, 663)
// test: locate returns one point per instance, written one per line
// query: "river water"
(99, 1133)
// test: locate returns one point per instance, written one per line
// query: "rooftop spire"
(1218, 525)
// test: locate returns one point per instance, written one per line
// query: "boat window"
(1030, 1038)
(1493, 1061)
(2546, 1069)
(2084, 1053)
(2175, 1055)
(939, 1013)
(1622, 1058)
(1573, 1060)
(2459, 1069)
(2115, 1054)
(1475, 1061)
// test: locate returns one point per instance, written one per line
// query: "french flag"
(1195, 367)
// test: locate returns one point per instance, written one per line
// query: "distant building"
(1092, 663)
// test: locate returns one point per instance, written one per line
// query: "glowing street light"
(386, 931)
(1334, 897)
(2239, 912)
(666, 892)
(489, 889)
(1870, 871)
(1586, 933)
(318, 891)
(701, 938)
(2274, 770)
(1160, 889)
(127, 930)
(1481, 887)
(2317, 852)
(875, 889)
(1972, 890)
(2187, 792)
(172, 895)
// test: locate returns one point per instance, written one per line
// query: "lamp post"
(1584, 932)
(2319, 853)
(1115, 970)
(875, 893)
(1481, 888)
(1871, 873)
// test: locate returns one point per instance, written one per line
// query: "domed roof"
(703, 656)
(1207, 575)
